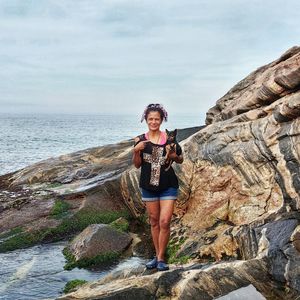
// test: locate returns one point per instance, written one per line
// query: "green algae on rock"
(88, 262)
(67, 228)
(73, 285)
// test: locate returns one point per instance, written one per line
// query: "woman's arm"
(139, 146)
(137, 160)
(176, 154)
(178, 159)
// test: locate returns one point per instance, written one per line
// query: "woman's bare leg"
(166, 212)
(153, 209)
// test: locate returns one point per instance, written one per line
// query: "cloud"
(94, 55)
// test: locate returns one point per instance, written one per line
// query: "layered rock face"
(189, 282)
(240, 181)
(241, 176)
(243, 168)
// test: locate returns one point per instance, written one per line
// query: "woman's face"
(154, 120)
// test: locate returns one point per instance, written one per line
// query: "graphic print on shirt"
(156, 159)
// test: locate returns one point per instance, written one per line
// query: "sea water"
(38, 272)
(29, 138)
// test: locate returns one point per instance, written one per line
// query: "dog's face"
(171, 136)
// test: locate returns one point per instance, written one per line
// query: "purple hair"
(155, 107)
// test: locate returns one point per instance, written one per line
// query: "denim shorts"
(168, 194)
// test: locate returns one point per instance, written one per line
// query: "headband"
(155, 107)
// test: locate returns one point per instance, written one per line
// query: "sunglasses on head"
(154, 105)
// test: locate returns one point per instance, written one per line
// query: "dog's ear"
(167, 131)
(175, 131)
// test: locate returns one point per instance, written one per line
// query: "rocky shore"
(237, 219)
(90, 179)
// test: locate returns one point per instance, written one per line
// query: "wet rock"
(190, 282)
(246, 293)
(98, 239)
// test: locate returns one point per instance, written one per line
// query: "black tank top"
(154, 176)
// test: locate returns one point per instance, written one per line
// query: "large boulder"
(98, 239)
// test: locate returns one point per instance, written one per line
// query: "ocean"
(29, 138)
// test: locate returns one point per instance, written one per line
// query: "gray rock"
(189, 282)
(98, 239)
(246, 293)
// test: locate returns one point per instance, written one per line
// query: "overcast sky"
(94, 56)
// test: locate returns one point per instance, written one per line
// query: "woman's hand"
(172, 155)
(140, 146)
(177, 158)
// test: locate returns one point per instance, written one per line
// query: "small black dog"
(170, 146)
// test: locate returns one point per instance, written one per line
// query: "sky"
(116, 56)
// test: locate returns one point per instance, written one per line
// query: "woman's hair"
(155, 107)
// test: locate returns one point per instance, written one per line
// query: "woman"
(158, 182)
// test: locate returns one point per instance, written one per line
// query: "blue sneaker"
(152, 263)
(162, 266)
